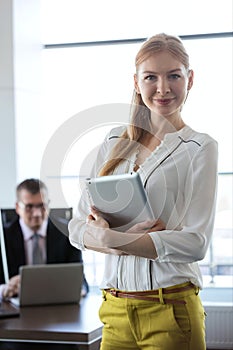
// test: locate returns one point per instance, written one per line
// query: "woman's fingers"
(148, 226)
(159, 226)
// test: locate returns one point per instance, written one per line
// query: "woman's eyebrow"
(170, 71)
(175, 70)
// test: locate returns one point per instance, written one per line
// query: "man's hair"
(33, 186)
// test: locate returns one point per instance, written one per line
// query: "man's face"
(32, 208)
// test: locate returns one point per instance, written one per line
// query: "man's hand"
(12, 287)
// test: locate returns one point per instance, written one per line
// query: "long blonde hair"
(140, 115)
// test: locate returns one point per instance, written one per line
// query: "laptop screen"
(3, 250)
(50, 284)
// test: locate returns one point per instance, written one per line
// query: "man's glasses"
(30, 207)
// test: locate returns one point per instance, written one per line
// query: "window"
(70, 21)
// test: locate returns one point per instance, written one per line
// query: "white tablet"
(121, 199)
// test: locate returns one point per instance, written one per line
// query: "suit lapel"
(15, 248)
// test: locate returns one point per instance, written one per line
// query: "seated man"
(53, 246)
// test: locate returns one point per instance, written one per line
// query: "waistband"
(149, 295)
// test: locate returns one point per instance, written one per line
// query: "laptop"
(49, 284)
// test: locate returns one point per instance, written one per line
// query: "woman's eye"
(150, 77)
(174, 76)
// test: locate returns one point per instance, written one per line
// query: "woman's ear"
(190, 79)
(136, 84)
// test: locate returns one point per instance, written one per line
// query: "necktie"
(36, 251)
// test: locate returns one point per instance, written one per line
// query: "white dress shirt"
(180, 177)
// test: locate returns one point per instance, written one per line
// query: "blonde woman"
(151, 278)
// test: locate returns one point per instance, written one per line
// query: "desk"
(67, 324)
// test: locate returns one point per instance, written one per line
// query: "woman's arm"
(140, 245)
(190, 242)
(135, 241)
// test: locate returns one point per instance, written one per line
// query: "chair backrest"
(59, 215)
(8, 216)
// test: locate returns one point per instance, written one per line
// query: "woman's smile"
(163, 101)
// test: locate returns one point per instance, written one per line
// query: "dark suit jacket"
(59, 249)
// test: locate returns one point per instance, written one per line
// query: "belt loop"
(161, 296)
(104, 293)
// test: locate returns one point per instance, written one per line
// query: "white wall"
(7, 110)
(19, 94)
(27, 75)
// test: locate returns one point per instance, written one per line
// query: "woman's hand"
(96, 220)
(97, 236)
(148, 226)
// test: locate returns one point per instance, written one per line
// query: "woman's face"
(163, 83)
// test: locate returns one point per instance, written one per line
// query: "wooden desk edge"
(66, 337)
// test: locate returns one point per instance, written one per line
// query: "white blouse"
(180, 177)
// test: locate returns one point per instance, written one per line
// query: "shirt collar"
(27, 232)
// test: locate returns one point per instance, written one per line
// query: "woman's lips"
(164, 102)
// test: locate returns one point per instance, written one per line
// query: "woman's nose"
(163, 87)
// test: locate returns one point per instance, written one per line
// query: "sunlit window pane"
(76, 21)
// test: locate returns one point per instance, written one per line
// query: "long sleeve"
(191, 241)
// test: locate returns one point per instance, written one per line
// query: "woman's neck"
(161, 125)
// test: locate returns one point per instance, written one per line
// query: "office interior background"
(66, 65)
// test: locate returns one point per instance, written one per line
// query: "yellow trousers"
(140, 324)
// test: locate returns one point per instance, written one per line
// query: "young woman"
(151, 278)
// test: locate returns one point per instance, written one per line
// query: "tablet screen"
(121, 199)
